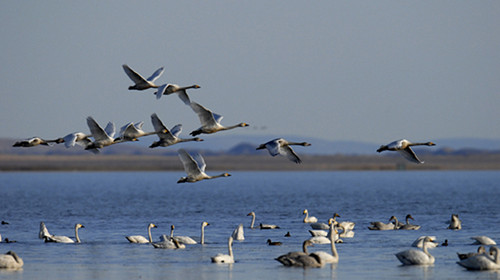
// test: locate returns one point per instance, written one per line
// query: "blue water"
(112, 205)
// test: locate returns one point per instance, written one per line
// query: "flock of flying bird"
(194, 166)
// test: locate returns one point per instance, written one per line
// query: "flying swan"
(168, 89)
(195, 168)
(280, 146)
(168, 137)
(403, 146)
(210, 122)
(140, 82)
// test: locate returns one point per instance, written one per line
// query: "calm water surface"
(112, 205)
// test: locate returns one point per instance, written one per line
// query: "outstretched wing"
(134, 76)
(156, 74)
(410, 155)
(190, 165)
(206, 116)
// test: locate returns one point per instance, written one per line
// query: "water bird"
(302, 259)
(326, 257)
(287, 234)
(78, 138)
(416, 257)
(326, 239)
(195, 168)
(238, 233)
(4, 223)
(273, 243)
(35, 141)
(168, 243)
(483, 240)
(445, 243)
(480, 250)
(140, 82)
(308, 219)
(223, 258)
(280, 146)
(10, 260)
(168, 137)
(182, 239)
(131, 132)
(102, 137)
(168, 89)
(419, 242)
(384, 226)
(65, 239)
(455, 222)
(347, 225)
(210, 122)
(140, 238)
(409, 226)
(261, 226)
(403, 146)
(483, 261)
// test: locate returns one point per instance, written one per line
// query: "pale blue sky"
(370, 71)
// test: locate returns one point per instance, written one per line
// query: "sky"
(372, 71)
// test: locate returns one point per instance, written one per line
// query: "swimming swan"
(261, 226)
(238, 233)
(480, 250)
(416, 257)
(409, 226)
(223, 258)
(182, 239)
(403, 146)
(347, 225)
(140, 82)
(168, 243)
(102, 137)
(64, 239)
(195, 169)
(280, 146)
(210, 122)
(419, 242)
(302, 259)
(483, 240)
(308, 219)
(10, 260)
(140, 238)
(455, 222)
(483, 261)
(326, 257)
(383, 226)
(168, 89)
(168, 137)
(35, 141)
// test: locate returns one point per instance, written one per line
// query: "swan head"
(196, 86)
(243, 124)
(409, 217)
(151, 225)
(430, 144)
(197, 139)
(305, 144)
(251, 214)
(204, 224)
(336, 215)
(305, 211)
(79, 226)
(172, 227)
(226, 175)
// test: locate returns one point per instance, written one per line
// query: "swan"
(326, 257)
(483, 261)
(303, 259)
(409, 226)
(168, 89)
(223, 258)
(345, 232)
(210, 122)
(140, 82)
(78, 138)
(64, 239)
(319, 226)
(238, 233)
(308, 219)
(403, 146)
(417, 257)
(35, 141)
(102, 137)
(44, 232)
(195, 168)
(419, 242)
(275, 243)
(480, 250)
(182, 239)
(383, 226)
(261, 226)
(455, 222)
(168, 243)
(168, 137)
(347, 225)
(280, 146)
(131, 131)
(483, 240)
(140, 238)
(318, 232)
(319, 239)
(11, 260)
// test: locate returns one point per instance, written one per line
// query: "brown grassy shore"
(244, 162)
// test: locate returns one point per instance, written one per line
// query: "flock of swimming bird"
(194, 166)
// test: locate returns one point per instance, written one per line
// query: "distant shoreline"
(245, 163)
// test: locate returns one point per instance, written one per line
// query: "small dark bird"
(445, 243)
(4, 223)
(288, 234)
(271, 243)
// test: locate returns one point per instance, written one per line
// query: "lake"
(112, 205)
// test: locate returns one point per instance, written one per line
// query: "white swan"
(319, 226)
(403, 146)
(261, 226)
(168, 137)
(384, 226)
(302, 259)
(182, 239)
(483, 261)
(202, 238)
(195, 169)
(44, 232)
(332, 234)
(210, 122)
(483, 240)
(131, 131)
(168, 243)
(140, 82)
(318, 232)
(280, 146)
(455, 222)
(168, 89)
(416, 257)
(326, 257)
(238, 233)
(409, 226)
(35, 141)
(64, 239)
(480, 250)
(348, 226)
(345, 232)
(140, 238)
(419, 242)
(78, 138)
(102, 137)
(223, 258)
(308, 219)
(10, 260)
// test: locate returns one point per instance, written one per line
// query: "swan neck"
(202, 238)
(76, 235)
(230, 248)
(149, 235)
(253, 221)
(306, 217)
(332, 241)
(304, 248)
